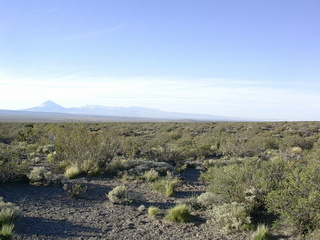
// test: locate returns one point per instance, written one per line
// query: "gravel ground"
(50, 214)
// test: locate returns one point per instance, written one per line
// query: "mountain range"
(51, 111)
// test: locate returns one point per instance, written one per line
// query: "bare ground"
(50, 214)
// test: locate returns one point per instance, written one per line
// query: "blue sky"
(249, 58)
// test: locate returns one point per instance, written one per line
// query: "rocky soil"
(50, 214)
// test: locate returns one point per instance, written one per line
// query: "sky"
(250, 58)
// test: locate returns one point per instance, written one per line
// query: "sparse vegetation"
(268, 169)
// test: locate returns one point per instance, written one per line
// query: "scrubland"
(245, 180)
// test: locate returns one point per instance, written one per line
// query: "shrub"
(208, 200)
(270, 173)
(167, 152)
(297, 199)
(230, 216)
(179, 213)
(254, 197)
(139, 167)
(190, 165)
(6, 232)
(8, 212)
(12, 165)
(166, 185)
(36, 160)
(141, 208)
(231, 181)
(6, 216)
(80, 147)
(90, 167)
(46, 149)
(153, 211)
(191, 202)
(75, 190)
(51, 157)
(118, 195)
(151, 176)
(116, 166)
(296, 150)
(39, 175)
(314, 235)
(72, 172)
(262, 233)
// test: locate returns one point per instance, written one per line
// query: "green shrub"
(153, 211)
(297, 199)
(78, 146)
(6, 232)
(230, 216)
(167, 152)
(262, 233)
(166, 185)
(8, 212)
(12, 164)
(6, 216)
(269, 174)
(248, 182)
(179, 213)
(230, 181)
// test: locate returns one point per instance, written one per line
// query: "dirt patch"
(50, 214)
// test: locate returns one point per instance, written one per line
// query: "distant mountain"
(48, 106)
(130, 112)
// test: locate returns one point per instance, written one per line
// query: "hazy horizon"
(247, 59)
